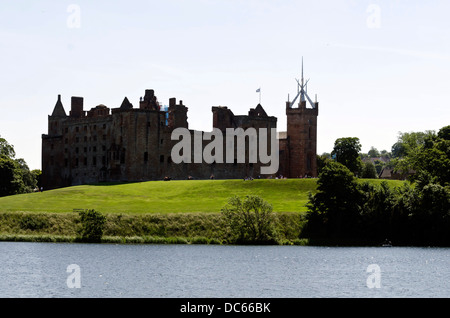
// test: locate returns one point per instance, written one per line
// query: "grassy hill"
(208, 196)
(152, 212)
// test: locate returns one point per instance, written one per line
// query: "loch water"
(55, 270)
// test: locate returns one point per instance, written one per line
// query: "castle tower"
(177, 114)
(302, 134)
(52, 148)
(56, 118)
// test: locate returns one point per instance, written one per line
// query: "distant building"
(134, 144)
(389, 173)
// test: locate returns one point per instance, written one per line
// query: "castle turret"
(177, 114)
(56, 118)
(52, 147)
(302, 134)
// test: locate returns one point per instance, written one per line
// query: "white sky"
(378, 67)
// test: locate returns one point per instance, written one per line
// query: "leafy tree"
(444, 133)
(37, 173)
(333, 212)
(6, 149)
(250, 220)
(322, 161)
(92, 224)
(10, 177)
(369, 171)
(15, 176)
(432, 157)
(410, 142)
(28, 178)
(379, 165)
(373, 153)
(346, 151)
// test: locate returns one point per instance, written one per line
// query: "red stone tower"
(301, 136)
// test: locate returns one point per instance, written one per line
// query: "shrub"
(250, 221)
(33, 222)
(92, 223)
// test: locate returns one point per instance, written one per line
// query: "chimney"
(77, 107)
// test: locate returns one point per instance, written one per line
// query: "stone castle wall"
(134, 144)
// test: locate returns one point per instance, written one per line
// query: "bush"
(33, 222)
(250, 221)
(92, 223)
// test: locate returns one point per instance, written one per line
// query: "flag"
(258, 90)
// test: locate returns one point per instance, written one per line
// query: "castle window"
(66, 130)
(104, 137)
(103, 148)
(104, 126)
(76, 162)
(85, 138)
(161, 158)
(94, 161)
(94, 149)
(145, 156)
(85, 161)
(103, 160)
(52, 160)
(162, 141)
(85, 128)
(51, 146)
(76, 150)
(85, 149)
(77, 129)
(77, 139)
(66, 162)
(95, 127)
(66, 141)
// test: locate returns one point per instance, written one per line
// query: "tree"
(92, 223)
(434, 160)
(15, 176)
(410, 142)
(346, 151)
(333, 212)
(6, 149)
(369, 171)
(250, 220)
(444, 133)
(322, 161)
(10, 177)
(373, 153)
(28, 177)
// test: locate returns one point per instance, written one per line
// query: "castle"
(134, 144)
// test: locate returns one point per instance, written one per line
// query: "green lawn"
(286, 195)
